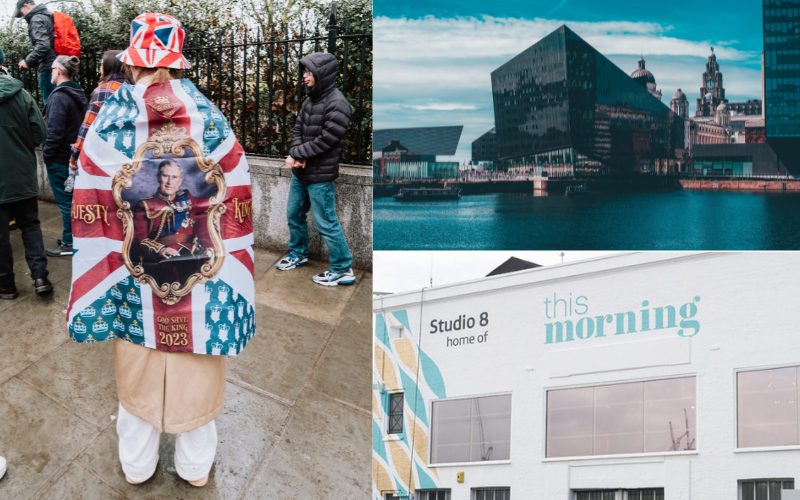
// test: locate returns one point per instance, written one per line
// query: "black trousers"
(26, 213)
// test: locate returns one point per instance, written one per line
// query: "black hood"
(37, 10)
(325, 69)
(73, 90)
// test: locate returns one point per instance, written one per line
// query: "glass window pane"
(618, 419)
(570, 414)
(450, 430)
(767, 407)
(774, 490)
(761, 490)
(491, 429)
(395, 413)
(472, 429)
(669, 423)
(652, 416)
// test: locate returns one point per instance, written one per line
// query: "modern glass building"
(561, 95)
(782, 78)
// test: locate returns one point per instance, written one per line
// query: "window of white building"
(764, 489)
(395, 413)
(471, 429)
(438, 494)
(497, 493)
(767, 407)
(638, 417)
(618, 494)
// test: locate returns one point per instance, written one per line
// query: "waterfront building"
(646, 375)
(679, 104)
(712, 91)
(484, 149)
(645, 78)
(751, 107)
(754, 131)
(708, 132)
(416, 153)
(562, 103)
(736, 160)
(782, 78)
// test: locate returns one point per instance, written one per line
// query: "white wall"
(749, 316)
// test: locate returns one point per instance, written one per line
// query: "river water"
(685, 220)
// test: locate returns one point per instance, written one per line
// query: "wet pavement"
(296, 422)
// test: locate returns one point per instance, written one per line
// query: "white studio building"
(659, 376)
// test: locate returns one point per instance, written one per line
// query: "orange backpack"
(66, 41)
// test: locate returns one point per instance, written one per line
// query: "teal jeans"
(320, 198)
(57, 173)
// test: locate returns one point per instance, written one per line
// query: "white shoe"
(3, 466)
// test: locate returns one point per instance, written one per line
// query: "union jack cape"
(208, 305)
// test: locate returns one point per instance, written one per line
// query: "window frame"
(754, 449)
(547, 389)
(389, 397)
(447, 491)
(475, 489)
(487, 462)
(740, 483)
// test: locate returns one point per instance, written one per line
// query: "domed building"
(722, 116)
(645, 78)
(679, 104)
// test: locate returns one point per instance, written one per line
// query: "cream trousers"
(138, 448)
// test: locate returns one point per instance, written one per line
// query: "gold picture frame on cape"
(172, 142)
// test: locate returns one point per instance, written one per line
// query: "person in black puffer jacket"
(314, 160)
(63, 116)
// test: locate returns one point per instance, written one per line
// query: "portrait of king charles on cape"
(170, 228)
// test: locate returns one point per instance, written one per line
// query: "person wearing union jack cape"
(164, 253)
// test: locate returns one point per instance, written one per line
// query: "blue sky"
(433, 58)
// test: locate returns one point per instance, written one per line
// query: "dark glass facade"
(736, 160)
(561, 95)
(484, 148)
(782, 68)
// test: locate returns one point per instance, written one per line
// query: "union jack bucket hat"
(156, 42)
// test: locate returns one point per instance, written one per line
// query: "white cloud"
(442, 106)
(431, 38)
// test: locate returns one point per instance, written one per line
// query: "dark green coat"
(21, 130)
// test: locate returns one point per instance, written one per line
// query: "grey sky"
(402, 271)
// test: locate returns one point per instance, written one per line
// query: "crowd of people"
(151, 381)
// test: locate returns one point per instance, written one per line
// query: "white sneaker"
(3, 466)
(332, 278)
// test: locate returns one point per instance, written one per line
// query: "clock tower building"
(712, 93)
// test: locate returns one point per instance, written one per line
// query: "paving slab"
(346, 363)
(247, 428)
(280, 358)
(264, 261)
(39, 439)
(32, 327)
(294, 291)
(85, 382)
(360, 305)
(324, 453)
(77, 482)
